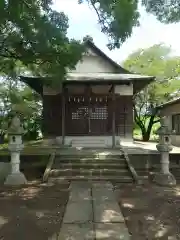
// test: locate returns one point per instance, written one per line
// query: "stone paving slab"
(80, 184)
(80, 194)
(77, 232)
(102, 184)
(78, 212)
(78, 222)
(111, 231)
(102, 194)
(107, 211)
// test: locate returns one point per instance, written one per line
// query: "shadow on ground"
(151, 212)
(32, 212)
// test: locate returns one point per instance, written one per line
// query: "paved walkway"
(93, 213)
(139, 147)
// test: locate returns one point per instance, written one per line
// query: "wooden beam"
(63, 114)
(113, 117)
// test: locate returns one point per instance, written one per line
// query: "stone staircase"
(90, 166)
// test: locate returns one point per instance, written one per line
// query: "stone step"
(89, 152)
(99, 165)
(97, 157)
(120, 179)
(88, 160)
(89, 143)
(88, 140)
(90, 155)
(90, 172)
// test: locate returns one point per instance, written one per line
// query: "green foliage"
(34, 36)
(88, 38)
(165, 11)
(118, 17)
(16, 97)
(154, 61)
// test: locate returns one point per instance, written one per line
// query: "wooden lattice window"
(99, 113)
(80, 113)
(96, 113)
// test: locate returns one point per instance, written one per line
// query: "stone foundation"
(164, 179)
(16, 179)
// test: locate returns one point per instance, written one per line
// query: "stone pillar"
(164, 178)
(15, 146)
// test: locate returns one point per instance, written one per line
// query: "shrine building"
(94, 105)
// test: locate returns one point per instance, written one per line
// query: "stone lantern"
(164, 146)
(15, 146)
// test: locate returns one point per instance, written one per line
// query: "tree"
(19, 98)
(88, 38)
(118, 17)
(33, 36)
(155, 61)
(165, 11)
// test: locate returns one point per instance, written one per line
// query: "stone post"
(164, 178)
(15, 146)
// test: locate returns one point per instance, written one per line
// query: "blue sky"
(83, 21)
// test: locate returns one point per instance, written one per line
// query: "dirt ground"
(32, 212)
(151, 212)
(36, 211)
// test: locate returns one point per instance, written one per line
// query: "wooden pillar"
(63, 113)
(113, 117)
(88, 94)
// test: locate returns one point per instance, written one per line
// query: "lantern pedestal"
(15, 179)
(164, 178)
(15, 147)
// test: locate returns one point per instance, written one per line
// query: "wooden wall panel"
(124, 116)
(52, 115)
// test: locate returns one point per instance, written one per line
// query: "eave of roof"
(121, 75)
(86, 77)
(169, 103)
(35, 83)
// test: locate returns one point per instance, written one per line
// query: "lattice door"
(87, 116)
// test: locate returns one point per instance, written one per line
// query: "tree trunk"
(145, 136)
(146, 132)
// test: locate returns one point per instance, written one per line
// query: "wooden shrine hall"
(94, 105)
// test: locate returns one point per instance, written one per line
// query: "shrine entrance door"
(87, 115)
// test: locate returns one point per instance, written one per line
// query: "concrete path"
(93, 213)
